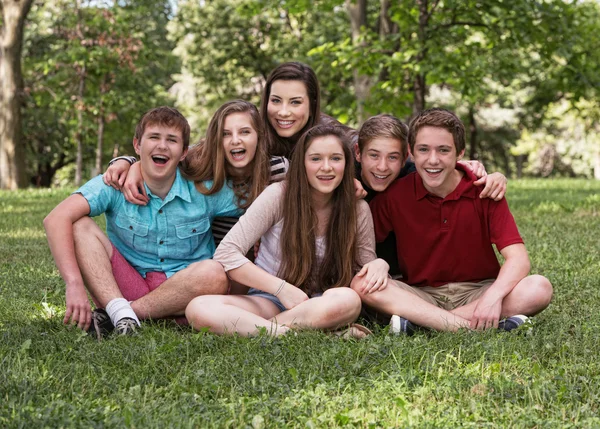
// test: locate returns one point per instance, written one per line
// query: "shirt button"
(160, 211)
(445, 220)
(194, 230)
(130, 227)
(160, 242)
(162, 260)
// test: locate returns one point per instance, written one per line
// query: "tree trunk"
(419, 81)
(520, 160)
(12, 153)
(98, 166)
(357, 10)
(79, 133)
(472, 134)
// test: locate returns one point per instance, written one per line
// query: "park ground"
(56, 376)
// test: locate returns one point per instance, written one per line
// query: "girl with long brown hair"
(315, 237)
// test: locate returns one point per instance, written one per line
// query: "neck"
(160, 188)
(321, 201)
(447, 188)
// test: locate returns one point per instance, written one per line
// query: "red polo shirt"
(444, 240)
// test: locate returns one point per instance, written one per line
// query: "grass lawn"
(56, 376)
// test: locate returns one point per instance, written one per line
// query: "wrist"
(130, 159)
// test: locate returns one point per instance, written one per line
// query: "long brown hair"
(298, 236)
(206, 160)
(281, 146)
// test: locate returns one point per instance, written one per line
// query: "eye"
(394, 158)
(226, 133)
(246, 132)
(337, 158)
(444, 150)
(373, 156)
(315, 158)
(422, 149)
(274, 100)
(296, 102)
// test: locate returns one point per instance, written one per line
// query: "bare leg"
(337, 307)
(227, 314)
(530, 296)
(94, 251)
(171, 298)
(395, 300)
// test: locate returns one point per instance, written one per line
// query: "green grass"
(55, 376)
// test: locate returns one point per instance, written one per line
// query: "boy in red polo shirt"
(444, 234)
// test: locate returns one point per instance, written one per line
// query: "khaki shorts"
(450, 295)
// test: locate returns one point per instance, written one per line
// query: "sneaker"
(400, 325)
(101, 325)
(126, 326)
(513, 322)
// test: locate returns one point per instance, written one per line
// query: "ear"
(184, 154)
(460, 155)
(137, 146)
(356, 152)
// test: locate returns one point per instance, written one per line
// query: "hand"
(375, 276)
(487, 312)
(359, 191)
(290, 296)
(116, 173)
(79, 310)
(133, 185)
(495, 186)
(256, 249)
(476, 167)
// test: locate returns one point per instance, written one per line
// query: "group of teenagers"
(285, 219)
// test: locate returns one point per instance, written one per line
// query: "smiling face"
(160, 150)
(381, 161)
(435, 158)
(288, 107)
(239, 142)
(325, 163)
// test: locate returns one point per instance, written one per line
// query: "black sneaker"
(101, 325)
(513, 322)
(400, 325)
(126, 326)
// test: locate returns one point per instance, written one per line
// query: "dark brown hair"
(384, 126)
(206, 160)
(281, 146)
(298, 236)
(438, 118)
(165, 116)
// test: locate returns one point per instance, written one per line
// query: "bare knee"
(210, 277)
(344, 303)
(199, 312)
(540, 290)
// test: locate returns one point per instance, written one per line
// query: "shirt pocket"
(133, 232)
(188, 237)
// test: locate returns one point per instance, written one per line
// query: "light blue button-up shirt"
(164, 235)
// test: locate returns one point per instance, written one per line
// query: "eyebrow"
(296, 97)
(319, 153)
(396, 152)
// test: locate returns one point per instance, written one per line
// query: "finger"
(88, 319)
(144, 193)
(67, 315)
(362, 271)
(121, 181)
(82, 320)
(376, 286)
(75, 317)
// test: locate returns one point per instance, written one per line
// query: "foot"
(400, 325)
(513, 322)
(101, 325)
(126, 326)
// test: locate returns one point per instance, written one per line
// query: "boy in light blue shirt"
(156, 258)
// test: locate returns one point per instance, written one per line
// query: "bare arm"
(489, 306)
(127, 178)
(59, 231)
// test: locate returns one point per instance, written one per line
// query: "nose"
(284, 110)
(326, 165)
(382, 164)
(162, 143)
(235, 138)
(433, 157)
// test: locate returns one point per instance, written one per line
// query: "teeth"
(285, 122)
(433, 170)
(236, 151)
(379, 177)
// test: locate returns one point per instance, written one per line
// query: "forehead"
(325, 144)
(434, 136)
(383, 145)
(238, 119)
(162, 130)
(288, 88)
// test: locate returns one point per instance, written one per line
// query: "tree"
(12, 156)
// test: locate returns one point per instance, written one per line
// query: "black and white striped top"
(222, 225)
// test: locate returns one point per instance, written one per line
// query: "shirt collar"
(465, 188)
(178, 189)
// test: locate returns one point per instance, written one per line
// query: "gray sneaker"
(101, 325)
(400, 325)
(513, 322)
(126, 326)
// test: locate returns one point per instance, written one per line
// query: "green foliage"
(55, 376)
(121, 52)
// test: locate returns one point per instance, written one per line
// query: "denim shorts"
(266, 295)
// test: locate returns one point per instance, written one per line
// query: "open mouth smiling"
(238, 154)
(160, 159)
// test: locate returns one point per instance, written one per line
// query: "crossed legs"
(245, 315)
(94, 252)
